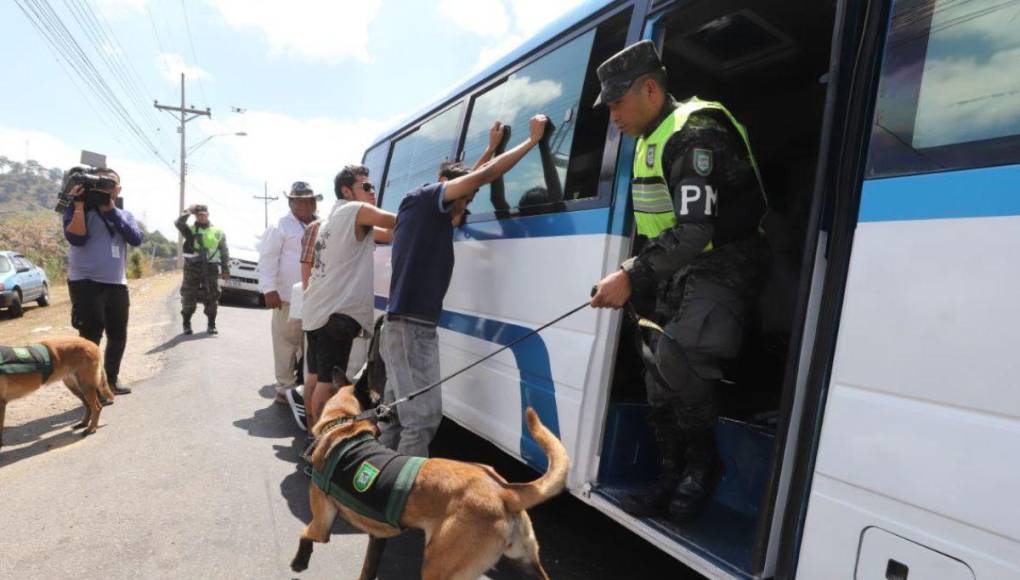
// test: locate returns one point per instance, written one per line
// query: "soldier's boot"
(212, 324)
(187, 324)
(655, 501)
(699, 475)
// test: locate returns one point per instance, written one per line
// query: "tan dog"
(75, 360)
(470, 514)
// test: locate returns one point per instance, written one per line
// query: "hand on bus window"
(536, 127)
(496, 133)
(613, 291)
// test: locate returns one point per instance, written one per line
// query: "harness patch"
(365, 477)
(703, 163)
(34, 358)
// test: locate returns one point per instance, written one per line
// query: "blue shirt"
(422, 254)
(101, 254)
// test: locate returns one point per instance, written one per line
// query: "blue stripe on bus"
(567, 223)
(532, 357)
(985, 192)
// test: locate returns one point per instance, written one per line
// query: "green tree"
(135, 264)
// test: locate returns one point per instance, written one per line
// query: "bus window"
(563, 86)
(375, 161)
(949, 97)
(416, 157)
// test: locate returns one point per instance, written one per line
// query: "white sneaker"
(297, 405)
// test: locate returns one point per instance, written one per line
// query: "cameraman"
(204, 245)
(99, 233)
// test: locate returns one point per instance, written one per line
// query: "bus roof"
(586, 9)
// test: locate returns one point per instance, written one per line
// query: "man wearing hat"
(701, 258)
(279, 270)
(204, 246)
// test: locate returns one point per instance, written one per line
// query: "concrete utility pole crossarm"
(265, 197)
(183, 114)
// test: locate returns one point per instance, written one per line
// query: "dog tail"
(527, 495)
(101, 383)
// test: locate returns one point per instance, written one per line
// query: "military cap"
(620, 71)
(301, 190)
(198, 208)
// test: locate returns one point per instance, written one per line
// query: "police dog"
(79, 363)
(470, 514)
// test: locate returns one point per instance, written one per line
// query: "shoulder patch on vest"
(365, 477)
(650, 155)
(702, 161)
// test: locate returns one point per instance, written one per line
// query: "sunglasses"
(300, 186)
(367, 187)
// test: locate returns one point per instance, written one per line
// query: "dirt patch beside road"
(150, 324)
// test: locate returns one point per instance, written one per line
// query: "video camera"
(88, 176)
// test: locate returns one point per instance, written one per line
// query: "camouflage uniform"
(694, 277)
(202, 268)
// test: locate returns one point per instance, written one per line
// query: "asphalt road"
(195, 475)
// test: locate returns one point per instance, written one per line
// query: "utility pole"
(183, 114)
(266, 198)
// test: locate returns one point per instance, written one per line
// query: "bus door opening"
(767, 63)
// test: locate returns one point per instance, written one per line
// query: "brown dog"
(470, 514)
(75, 360)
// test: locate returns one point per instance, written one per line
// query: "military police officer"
(205, 259)
(698, 201)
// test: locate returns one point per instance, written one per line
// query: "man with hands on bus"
(698, 201)
(422, 260)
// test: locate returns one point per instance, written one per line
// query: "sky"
(315, 81)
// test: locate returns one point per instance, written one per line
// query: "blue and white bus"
(871, 426)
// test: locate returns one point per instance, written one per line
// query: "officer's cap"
(620, 71)
(199, 208)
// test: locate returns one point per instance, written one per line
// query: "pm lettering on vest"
(697, 201)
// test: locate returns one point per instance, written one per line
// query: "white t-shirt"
(342, 270)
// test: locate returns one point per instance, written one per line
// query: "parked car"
(244, 277)
(21, 281)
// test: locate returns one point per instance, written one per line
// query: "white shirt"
(280, 256)
(341, 279)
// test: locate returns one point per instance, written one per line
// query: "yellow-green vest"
(653, 204)
(208, 238)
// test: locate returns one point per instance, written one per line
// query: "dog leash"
(383, 411)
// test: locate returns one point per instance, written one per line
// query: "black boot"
(698, 477)
(655, 501)
(212, 324)
(187, 325)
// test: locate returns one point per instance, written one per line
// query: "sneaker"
(297, 405)
(212, 329)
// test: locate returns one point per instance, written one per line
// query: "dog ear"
(364, 394)
(340, 378)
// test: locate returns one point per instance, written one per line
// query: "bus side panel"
(922, 421)
(502, 289)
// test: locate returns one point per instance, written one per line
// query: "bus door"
(916, 473)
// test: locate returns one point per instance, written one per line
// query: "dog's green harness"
(369, 478)
(34, 358)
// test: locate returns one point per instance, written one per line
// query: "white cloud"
(482, 17)
(172, 65)
(519, 94)
(317, 30)
(490, 19)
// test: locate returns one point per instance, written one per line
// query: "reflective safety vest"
(653, 204)
(208, 238)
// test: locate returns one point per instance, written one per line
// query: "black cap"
(620, 71)
(301, 190)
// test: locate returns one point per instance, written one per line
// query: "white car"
(244, 277)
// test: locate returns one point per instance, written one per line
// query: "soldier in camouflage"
(205, 261)
(698, 201)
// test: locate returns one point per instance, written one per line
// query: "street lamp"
(206, 140)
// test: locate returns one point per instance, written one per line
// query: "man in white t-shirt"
(338, 303)
(279, 270)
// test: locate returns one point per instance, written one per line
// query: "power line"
(191, 42)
